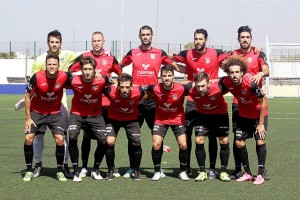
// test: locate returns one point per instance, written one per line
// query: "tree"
(11, 55)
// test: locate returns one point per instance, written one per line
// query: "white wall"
(14, 68)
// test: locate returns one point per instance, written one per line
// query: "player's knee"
(59, 139)
(260, 142)
(240, 143)
(200, 140)
(29, 139)
(111, 141)
(223, 140)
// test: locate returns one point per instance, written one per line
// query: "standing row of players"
(146, 62)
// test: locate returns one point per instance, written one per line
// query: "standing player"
(54, 41)
(123, 113)
(86, 114)
(169, 97)
(211, 120)
(200, 59)
(258, 68)
(146, 62)
(252, 117)
(106, 64)
(47, 88)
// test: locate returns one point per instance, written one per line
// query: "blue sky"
(175, 21)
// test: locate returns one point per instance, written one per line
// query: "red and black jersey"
(208, 62)
(169, 104)
(106, 64)
(211, 104)
(255, 61)
(146, 64)
(46, 92)
(87, 99)
(123, 109)
(248, 96)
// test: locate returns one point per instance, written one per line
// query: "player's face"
(54, 45)
(245, 40)
(125, 89)
(88, 72)
(167, 78)
(199, 41)
(146, 37)
(235, 74)
(97, 42)
(202, 87)
(52, 66)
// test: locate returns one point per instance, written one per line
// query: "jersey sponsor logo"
(145, 66)
(207, 60)
(104, 62)
(200, 69)
(124, 109)
(208, 107)
(50, 97)
(249, 59)
(152, 56)
(50, 94)
(57, 85)
(95, 87)
(243, 100)
(88, 96)
(197, 97)
(174, 96)
(167, 105)
(117, 101)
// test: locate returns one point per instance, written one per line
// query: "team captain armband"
(259, 92)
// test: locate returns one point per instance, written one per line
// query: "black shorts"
(190, 112)
(55, 123)
(132, 128)
(162, 130)
(235, 115)
(212, 125)
(105, 113)
(95, 125)
(246, 128)
(147, 112)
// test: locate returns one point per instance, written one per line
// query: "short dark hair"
(244, 29)
(145, 27)
(55, 34)
(97, 32)
(124, 77)
(88, 60)
(235, 60)
(201, 76)
(202, 31)
(167, 68)
(51, 55)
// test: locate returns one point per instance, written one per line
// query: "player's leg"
(133, 134)
(224, 157)
(38, 148)
(179, 132)
(85, 151)
(213, 153)
(158, 134)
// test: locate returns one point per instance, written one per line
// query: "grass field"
(283, 161)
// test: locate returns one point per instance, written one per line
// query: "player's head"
(202, 84)
(235, 67)
(52, 64)
(167, 76)
(245, 37)
(145, 35)
(54, 40)
(97, 42)
(88, 68)
(200, 39)
(124, 85)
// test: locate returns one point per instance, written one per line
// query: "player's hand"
(20, 104)
(260, 129)
(27, 125)
(257, 77)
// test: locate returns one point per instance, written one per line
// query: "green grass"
(283, 161)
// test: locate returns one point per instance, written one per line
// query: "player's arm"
(30, 90)
(187, 87)
(264, 72)
(127, 60)
(180, 60)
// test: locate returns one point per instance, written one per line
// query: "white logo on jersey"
(88, 96)
(43, 84)
(152, 56)
(145, 66)
(249, 59)
(207, 60)
(50, 94)
(124, 109)
(104, 62)
(167, 105)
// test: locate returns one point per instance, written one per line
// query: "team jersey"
(46, 92)
(255, 61)
(123, 109)
(211, 104)
(65, 59)
(248, 95)
(146, 64)
(106, 64)
(87, 99)
(208, 62)
(169, 104)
